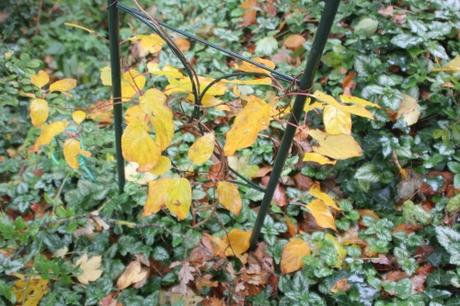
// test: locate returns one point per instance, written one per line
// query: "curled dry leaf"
(133, 273)
(409, 110)
(90, 268)
(294, 41)
(293, 253)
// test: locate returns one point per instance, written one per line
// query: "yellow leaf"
(168, 71)
(311, 106)
(242, 166)
(138, 146)
(451, 66)
(90, 268)
(151, 43)
(78, 116)
(336, 121)
(201, 150)
(229, 197)
(162, 122)
(71, 152)
(63, 85)
(163, 166)
(106, 76)
(237, 242)
(335, 146)
(150, 99)
(184, 85)
(30, 290)
(174, 193)
(40, 79)
(320, 211)
(317, 158)
(261, 81)
(317, 193)
(358, 101)
(48, 132)
(341, 253)
(135, 114)
(248, 67)
(132, 82)
(409, 110)
(252, 119)
(38, 111)
(293, 253)
(352, 109)
(132, 274)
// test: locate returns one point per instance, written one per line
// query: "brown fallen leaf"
(132, 274)
(90, 268)
(250, 12)
(294, 41)
(341, 285)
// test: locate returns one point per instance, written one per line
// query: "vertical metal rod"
(324, 27)
(116, 89)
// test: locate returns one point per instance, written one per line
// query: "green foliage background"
(390, 60)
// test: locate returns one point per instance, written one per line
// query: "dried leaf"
(252, 119)
(40, 79)
(409, 110)
(250, 12)
(90, 268)
(294, 41)
(182, 43)
(293, 253)
(30, 290)
(229, 197)
(38, 111)
(174, 193)
(320, 211)
(132, 274)
(335, 146)
(63, 85)
(202, 149)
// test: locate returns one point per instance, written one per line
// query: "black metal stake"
(306, 82)
(116, 89)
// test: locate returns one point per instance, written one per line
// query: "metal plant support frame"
(304, 84)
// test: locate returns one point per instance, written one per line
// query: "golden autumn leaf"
(316, 192)
(40, 79)
(163, 165)
(48, 132)
(252, 119)
(294, 41)
(354, 109)
(260, 81)
(38, 111)
(248, 67)
(137, 146)
(72, 150)
(229, 197)
(63, 85)
(184, 85)
(30, 290)
(321, 213)
(78, 116)
(317, 158)
(335, 146)
(90, 268)
(174, 193)
(135, 115)
(201, 150)
(336, 121)
(162, 122)
(358, 101)
(293, 253)
(237, 242)
(182, 43)
(132, 82)
(151, 99)
(151, 43)
(106, 76)
(409, 110)
(168, 71)
(452, 66)
(133, 273)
